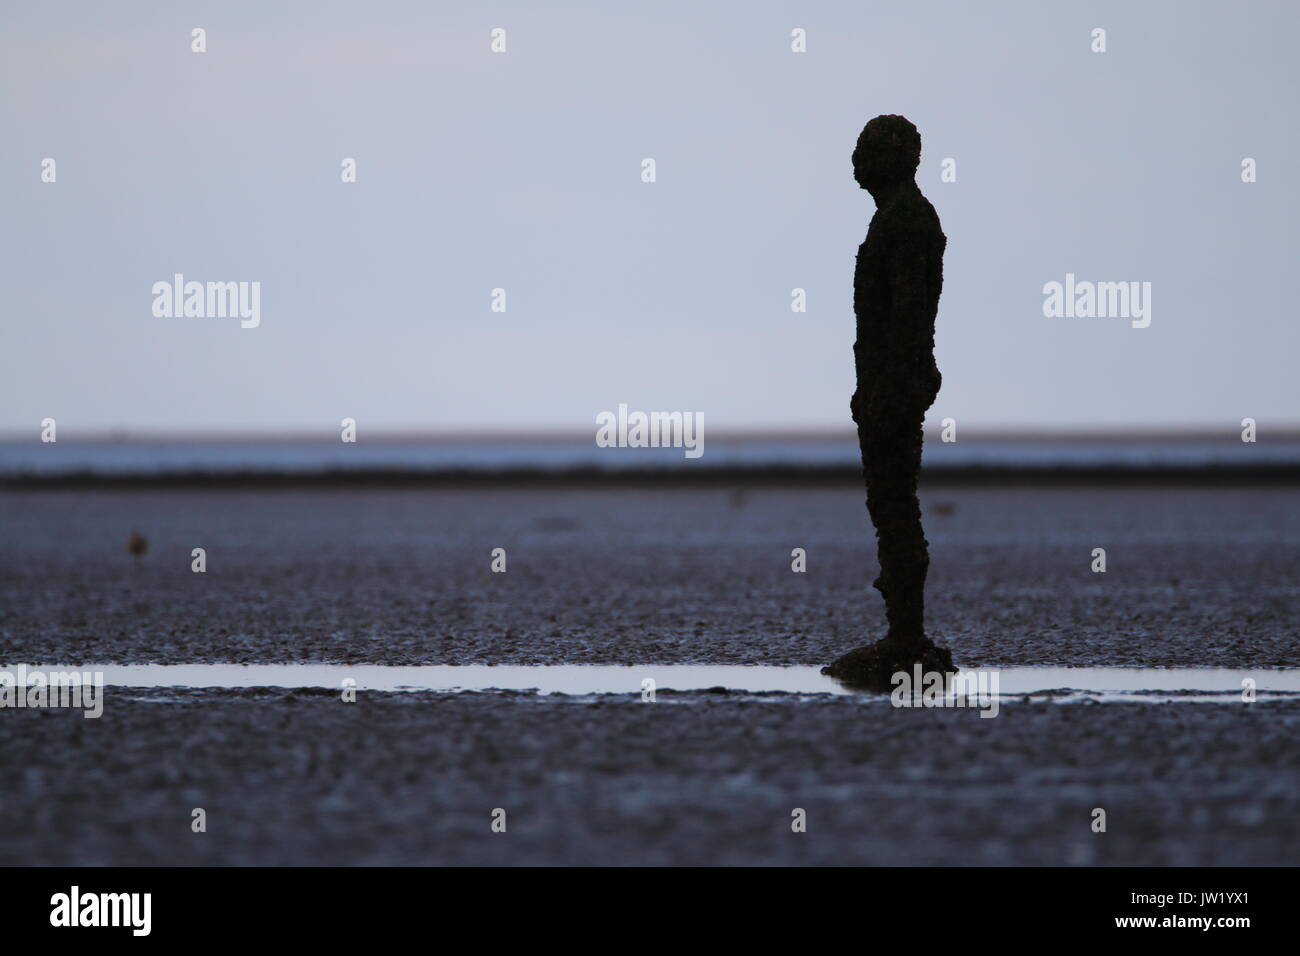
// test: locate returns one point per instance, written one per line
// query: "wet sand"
(1194, 577)
(697, 778)
(300, 777)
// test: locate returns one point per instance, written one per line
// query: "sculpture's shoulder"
(914, 221)
(907, 227)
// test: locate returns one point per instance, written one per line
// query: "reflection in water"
(1104, 683)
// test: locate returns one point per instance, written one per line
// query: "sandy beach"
(301, 778)
(1194, 578)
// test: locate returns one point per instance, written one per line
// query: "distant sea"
(30, 461)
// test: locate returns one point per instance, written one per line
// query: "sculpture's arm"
(909, 377)
(857, 404)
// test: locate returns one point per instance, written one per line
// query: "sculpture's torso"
(903, 251)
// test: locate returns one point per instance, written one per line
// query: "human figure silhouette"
(896, 288)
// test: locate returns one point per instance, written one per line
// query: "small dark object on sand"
(873, 667)
(137, 544)
(945, 509)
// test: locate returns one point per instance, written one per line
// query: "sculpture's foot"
(873, 667)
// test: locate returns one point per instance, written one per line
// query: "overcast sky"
(522, 171)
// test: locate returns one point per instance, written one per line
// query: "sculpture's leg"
(891, 460)
(891, 452)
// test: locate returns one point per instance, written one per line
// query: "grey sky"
(522, 171)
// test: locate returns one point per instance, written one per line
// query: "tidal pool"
(1055, 683)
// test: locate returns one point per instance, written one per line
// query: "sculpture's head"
(888, 152)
